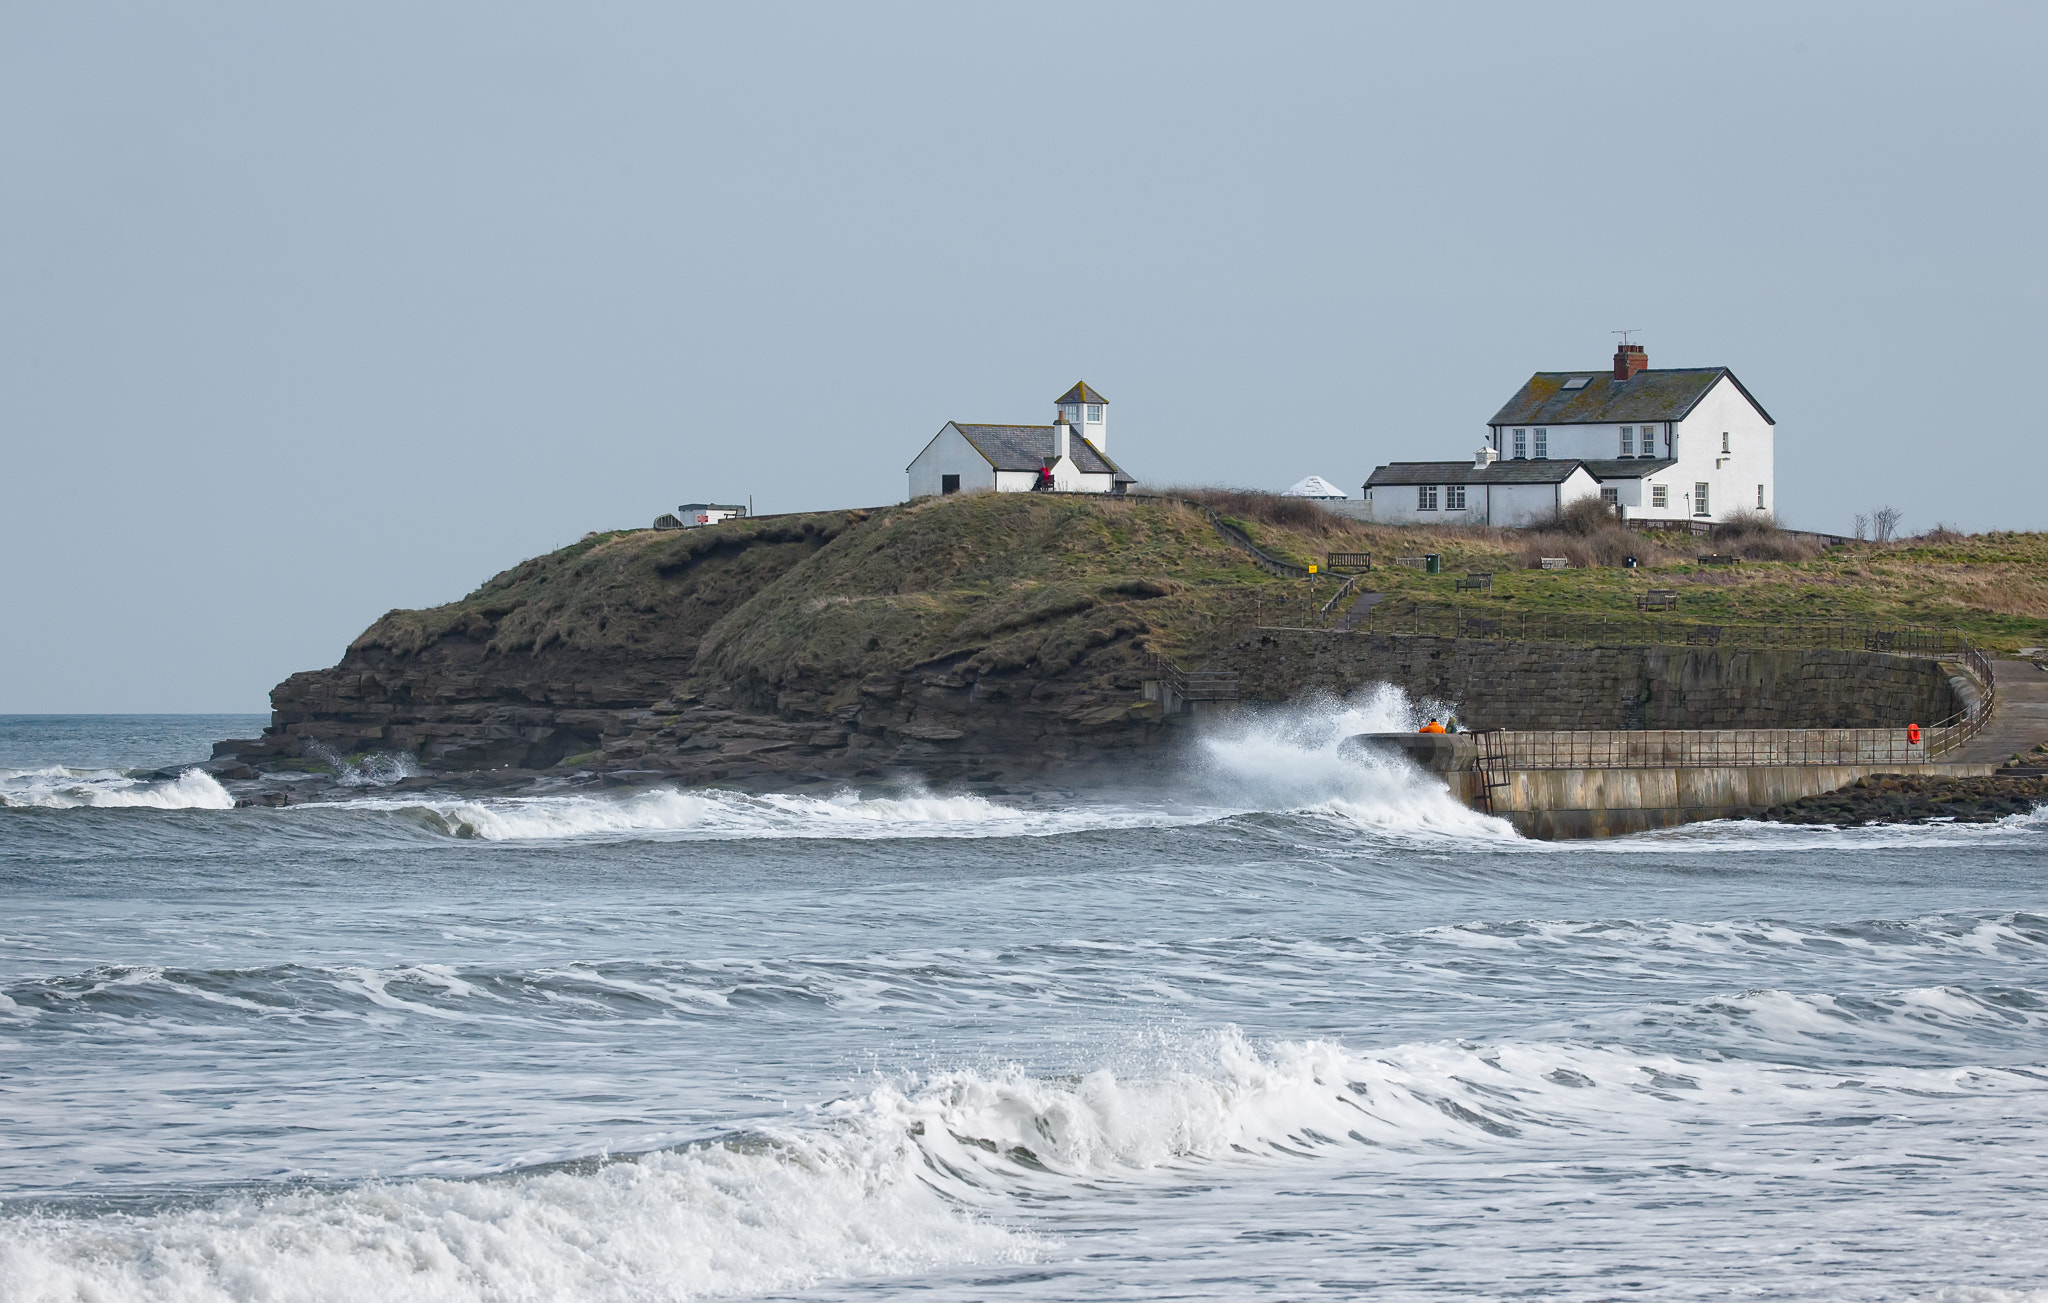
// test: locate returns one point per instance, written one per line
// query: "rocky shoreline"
(1913, 798)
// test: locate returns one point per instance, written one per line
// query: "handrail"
(1720, 748)
(1641, 628)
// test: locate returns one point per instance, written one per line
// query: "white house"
(1673, 445)
(965, 458)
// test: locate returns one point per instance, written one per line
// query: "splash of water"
(1293, 759)
(57, 788)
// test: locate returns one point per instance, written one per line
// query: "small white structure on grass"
(964, 458)
(1688, 443)
(1316, 487)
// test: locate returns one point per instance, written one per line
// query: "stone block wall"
(1561, 686)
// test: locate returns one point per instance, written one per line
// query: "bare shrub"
(1584, 518)
(1264, 508)
(1941, 534)
(1755, 536)
(1862, 527)
(1884, 523)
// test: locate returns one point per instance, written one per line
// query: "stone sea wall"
(1559, 686)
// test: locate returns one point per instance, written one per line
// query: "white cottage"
(1673, 445)
(964, 458)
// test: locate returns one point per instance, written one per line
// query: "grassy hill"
(810, 604)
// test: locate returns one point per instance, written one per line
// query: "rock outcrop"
(967, 639)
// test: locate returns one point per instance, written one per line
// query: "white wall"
(949, 453)
(1731, 479)
(1095, 432)
(1583, 442)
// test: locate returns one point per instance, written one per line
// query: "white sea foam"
(714, 814)
(1295, 760)
(948, 1169)
(57, 788)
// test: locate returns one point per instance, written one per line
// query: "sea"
(1291, 1024)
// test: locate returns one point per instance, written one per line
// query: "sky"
(312, 311)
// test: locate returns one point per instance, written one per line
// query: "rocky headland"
(967, 640)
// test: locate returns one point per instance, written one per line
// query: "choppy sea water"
(1298, 1025)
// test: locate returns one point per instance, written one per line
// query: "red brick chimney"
(1629, 359)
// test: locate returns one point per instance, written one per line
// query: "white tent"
(1315, 486)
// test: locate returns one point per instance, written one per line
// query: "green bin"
(1432, 563)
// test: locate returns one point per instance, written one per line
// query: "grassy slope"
(806, 606)
(1994, 587)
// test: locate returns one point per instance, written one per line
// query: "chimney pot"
(1629, 359)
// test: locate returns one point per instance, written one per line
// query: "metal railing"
(1195, 685)
(1504, 749)
(1644, 628)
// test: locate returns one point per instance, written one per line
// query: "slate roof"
(1080, 393)
(1026, 448)
(1666, 395)
(1464, 472)
(1626, 469)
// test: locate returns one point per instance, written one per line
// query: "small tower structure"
(1088, 412)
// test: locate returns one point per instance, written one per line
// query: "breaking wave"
(950, 1168)
(57, 788)
(1294, 761)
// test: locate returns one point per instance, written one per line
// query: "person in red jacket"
(1431, 727)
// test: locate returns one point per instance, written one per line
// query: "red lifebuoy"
(1912, 735)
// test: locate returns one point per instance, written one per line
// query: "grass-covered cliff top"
(1032, 582)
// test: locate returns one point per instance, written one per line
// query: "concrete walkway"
(2019, 716)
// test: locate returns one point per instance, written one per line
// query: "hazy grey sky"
(308, 311)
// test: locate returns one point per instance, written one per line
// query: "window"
(1628, 439)
(1660, 495)
(1095, 413)
(1425, 497)
(1724, 441)
(1454, 497)
(1521, 444)
(949, 483)
(1577, 382)
(1759, 497)
(1542, 445)
(1699, 500)
(1612, 497)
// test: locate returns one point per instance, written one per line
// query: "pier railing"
(1716, 748)
(1483, 623)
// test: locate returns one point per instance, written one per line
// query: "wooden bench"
(1552, 563)
(1716, 559)
(1658, 599)
(1413, 562)
(1703, 634)
(1477, 581)
(1360, 561)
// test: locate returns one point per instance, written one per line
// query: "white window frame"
(1425, 497)
(1454, 497)
(1724, 443)
(1628, 440)
(1759, 497)
(1521, 445)
(1660, 496)
(1095, 413)
(1542, 444)
(1699, 498)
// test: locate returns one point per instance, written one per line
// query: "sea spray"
(1296, 759)
(57, 788)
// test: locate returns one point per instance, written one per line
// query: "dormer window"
(1095, 413)
(1521, 444)
(1542, 444)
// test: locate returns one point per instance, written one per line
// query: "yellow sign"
(1311, 569)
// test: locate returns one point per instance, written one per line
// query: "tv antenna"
(1632, 330)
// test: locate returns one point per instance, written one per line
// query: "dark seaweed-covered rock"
(1915, 798)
